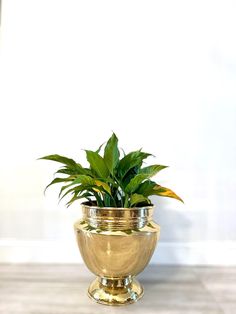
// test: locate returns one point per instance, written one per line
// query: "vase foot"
(115, 291)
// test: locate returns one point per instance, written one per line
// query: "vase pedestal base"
(114, 291)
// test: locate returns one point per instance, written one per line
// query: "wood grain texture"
(62, 289)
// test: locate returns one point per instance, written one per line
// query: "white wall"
(161, 74)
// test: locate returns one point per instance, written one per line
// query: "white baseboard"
(170, 253)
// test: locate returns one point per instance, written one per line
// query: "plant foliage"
(110, 181)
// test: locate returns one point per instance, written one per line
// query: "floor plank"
(62, 289)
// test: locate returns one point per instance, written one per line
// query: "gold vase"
(116, 245)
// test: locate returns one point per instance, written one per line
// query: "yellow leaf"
(104, 185)
(162, 191)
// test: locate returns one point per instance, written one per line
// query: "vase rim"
(86, 204)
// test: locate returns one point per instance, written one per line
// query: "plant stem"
(120, 194)
(126, 200)
(99, 201)
(113, 200)
(121, 197)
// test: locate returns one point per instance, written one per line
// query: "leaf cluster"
(110, 180)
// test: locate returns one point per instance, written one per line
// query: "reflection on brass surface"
(116, 245)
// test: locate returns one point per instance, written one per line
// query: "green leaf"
(83, 179)
(138, 198)
(143, 174)
(99, 148)
(123, 151)
(75, 197)
(97, 164)
(135, 182)
(68, 171)
(162, 191)
(76, 189)
(146, 188)
(75, 170)
(152, 170)
(61, 159)
(111, 153)
(88, 183)
(130, 175)
(59, 180)
(64, 187)
(131, 160)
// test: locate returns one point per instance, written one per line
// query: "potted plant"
(116, 235)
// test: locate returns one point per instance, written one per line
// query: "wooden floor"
(62, 289)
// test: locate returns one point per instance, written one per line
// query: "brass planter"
(116, 245)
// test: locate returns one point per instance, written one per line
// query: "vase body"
(116, 244)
